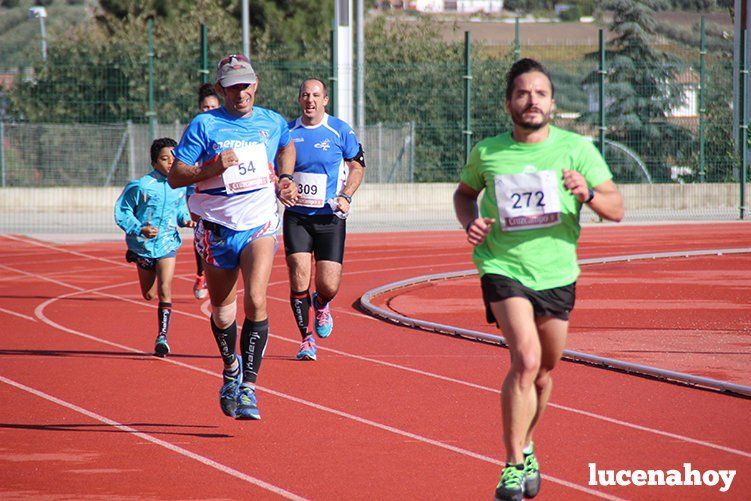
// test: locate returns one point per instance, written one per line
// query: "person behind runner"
(328, 170)
(535, 179)
(228, 153)
(149, 212)
(208, 100)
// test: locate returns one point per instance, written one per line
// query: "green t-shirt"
(537, 220)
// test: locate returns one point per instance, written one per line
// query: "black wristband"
(591, 196)
(286, 176)
(346, 197)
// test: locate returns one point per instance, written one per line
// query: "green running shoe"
(511, 485)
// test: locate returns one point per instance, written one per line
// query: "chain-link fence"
(90, 124)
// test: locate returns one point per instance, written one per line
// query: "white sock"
(529, 449)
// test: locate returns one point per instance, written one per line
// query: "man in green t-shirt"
(535, 180)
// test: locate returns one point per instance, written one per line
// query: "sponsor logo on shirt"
(236, 143)
(323, 145)
(298, 139)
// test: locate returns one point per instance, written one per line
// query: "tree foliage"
(425, 82)
(642, 88)
(273, 23)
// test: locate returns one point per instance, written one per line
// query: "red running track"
(385, 413)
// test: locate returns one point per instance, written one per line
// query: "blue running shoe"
(308, 348)
(324, 322)
(247, 405)
(228, 391)
(161, 348)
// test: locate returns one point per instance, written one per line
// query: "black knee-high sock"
(253, 343)
(300, 302)
(199, 262)
(164, 313)
(225, 340)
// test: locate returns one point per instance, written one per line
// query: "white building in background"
(687, 108)
(471, 6)
(463, 6)
(426, 5)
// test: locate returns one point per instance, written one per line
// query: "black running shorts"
(322, 235)
(557, 302)
(146, 263)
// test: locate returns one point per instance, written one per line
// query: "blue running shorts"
(221, 246)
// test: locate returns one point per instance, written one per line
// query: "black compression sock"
(225, 340)
(164, 313)
(253, 343)
(300, 303)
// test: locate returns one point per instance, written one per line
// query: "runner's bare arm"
(285, 159)
(285, 163)
(607, 202)
(183, 174)
(354, 180)
(604, 199)
(465, 207)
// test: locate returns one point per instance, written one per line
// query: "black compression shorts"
(322, 235)
(557, 302)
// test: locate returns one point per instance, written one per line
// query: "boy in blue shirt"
(149, 211)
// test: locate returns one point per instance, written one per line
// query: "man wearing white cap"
(232, 154)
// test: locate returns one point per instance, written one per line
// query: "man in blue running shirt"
(229, 154)
(328, 170)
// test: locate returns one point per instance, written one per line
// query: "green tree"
(642, 88)
(281, 25)
(422, 82)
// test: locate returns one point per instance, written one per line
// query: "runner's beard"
(518, 119)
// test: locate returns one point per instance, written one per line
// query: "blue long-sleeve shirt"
(150, 201)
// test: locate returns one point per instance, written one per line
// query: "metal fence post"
(151, 113)
(467, 97)
(131, 151)
(702, 53)
(602, 72)
(380, 151)
(2, 151)
(204, 71)
(412, 152)
(333, 61)
(517, 45)
(743, 125)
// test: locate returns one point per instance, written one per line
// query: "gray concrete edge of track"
(576, 356)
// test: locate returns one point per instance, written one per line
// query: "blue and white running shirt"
(244, 197)
(320, 170)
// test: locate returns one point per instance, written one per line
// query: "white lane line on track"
(465, 452)
(148, 438)
(592, 415)
(379, 362)
(21, 315)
